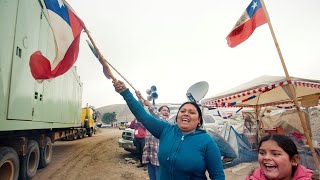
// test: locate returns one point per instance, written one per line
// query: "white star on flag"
(60, 3)
(255, 4)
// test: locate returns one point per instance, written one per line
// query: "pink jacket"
(301, 173)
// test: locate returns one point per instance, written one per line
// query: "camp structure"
(234, 147)
(266, 91)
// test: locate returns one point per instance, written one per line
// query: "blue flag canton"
(59, 8)
(253, 7)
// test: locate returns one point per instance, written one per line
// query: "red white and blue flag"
(66, 27)
(252, 18)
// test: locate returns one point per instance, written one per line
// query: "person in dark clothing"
(139, 138)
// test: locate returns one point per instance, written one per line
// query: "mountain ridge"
(123, 112)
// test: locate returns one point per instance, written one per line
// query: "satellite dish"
(197, 91)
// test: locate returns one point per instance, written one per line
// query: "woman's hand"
(138, 94)
(119, 86)
(145, 102)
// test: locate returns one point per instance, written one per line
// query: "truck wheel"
(75, 136)
(9, 163)
(45, 153)
(29, 163)
(90, 132)
(69, 138)
(81, 134)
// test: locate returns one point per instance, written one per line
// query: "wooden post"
(292, 91)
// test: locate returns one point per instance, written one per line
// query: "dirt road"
(99, 158)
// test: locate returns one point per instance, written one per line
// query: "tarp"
(233, 146)
(264, 91)
(288, 120)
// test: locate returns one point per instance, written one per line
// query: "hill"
(122, 111)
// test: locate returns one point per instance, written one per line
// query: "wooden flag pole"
(292, 91)
(101, 58)
(106, 64)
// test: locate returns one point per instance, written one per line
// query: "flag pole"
(292, 91)
(106, 64)
(101, 58)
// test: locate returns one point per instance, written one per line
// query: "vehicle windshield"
(208, 119)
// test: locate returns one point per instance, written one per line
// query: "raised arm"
(152, 109)
(152, 124)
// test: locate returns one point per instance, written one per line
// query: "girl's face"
(275, 162)
(188, 118)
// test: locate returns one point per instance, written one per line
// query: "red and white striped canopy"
(264, 91)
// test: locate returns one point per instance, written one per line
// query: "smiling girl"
(278, 160)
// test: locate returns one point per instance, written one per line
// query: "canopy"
(267, 91)
(271, 91)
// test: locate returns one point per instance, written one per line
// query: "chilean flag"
(252, 17)
(66, 27)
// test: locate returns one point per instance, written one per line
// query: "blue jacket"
(181, 156)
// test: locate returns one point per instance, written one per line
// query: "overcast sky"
(173, 44)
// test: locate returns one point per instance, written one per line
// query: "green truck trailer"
(32, 115)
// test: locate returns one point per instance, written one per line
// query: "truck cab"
(87, 120)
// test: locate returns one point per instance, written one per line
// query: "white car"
(210, 122)
(126, 142)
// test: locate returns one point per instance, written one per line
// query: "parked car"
(122, 126)
(106, 126)
(210, 122)
(99, 125)
(126, 141)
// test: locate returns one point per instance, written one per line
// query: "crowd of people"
(185, 151)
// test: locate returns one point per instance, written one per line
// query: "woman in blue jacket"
(185, 151)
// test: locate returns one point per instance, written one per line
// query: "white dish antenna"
(197, 91)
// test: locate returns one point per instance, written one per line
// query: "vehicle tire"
(81, 134)
(70, 137)
(75, 136)
(9, 163)
(29, 163)
(90, 132)
(45, 153)
(84, 133)
(129, 150)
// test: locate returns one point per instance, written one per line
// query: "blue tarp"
(234, 147)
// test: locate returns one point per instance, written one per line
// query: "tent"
(234, 147)
(269, 91)
(266, 91)
(288, 121)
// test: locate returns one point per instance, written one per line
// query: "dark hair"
(164, 107)
(198, 109)
(285, 143)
